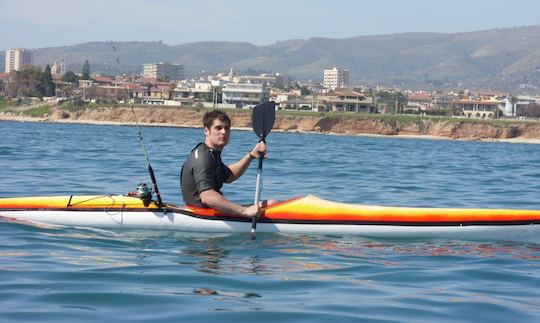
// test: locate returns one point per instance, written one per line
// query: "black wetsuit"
(202, 171)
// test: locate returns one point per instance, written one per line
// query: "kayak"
(307, 215)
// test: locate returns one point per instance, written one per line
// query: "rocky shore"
(510, 131)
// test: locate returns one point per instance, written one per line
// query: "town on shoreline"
(164, 94)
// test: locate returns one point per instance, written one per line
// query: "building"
(57, 69)
(294, 102)
(419, 101)
(174, 72)
(267, 80)
(336, 78)
(521, 102)
(16, 58)
(244, 95)
(344, 100)
(477, 107)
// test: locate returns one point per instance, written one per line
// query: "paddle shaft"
(258, 187)
(263, 119)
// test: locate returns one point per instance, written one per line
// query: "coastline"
(284, 123)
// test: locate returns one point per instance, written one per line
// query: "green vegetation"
(70, 77)
(392, 119)
(11, 105)
(49, 86)
(78, 105)
(300, 113)
(401, 119)
(73, 105)
(85, 71)
(27, 82)
(30, 82)
(4, 104)
(39, 111)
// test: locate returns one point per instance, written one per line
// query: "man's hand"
(214, 200)
(259, 150)
(251, 211)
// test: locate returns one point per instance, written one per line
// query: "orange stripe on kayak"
(311, 208)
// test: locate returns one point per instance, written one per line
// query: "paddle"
(263, 118)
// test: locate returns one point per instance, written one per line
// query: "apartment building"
(16, 58)
(174, 72)
(336, 78)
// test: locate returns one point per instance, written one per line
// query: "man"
(203, 173)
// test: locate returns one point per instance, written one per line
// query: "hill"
(498, 59)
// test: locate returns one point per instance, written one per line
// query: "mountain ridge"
(498, 59)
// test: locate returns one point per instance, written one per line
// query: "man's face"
(217, 136)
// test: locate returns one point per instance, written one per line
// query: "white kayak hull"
(117, 219)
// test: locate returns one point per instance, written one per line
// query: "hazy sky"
(49, 23)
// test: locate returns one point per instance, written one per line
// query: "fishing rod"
(150, 170)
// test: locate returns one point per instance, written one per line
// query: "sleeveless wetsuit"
(202, 171)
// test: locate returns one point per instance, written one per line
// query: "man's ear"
(206, 131)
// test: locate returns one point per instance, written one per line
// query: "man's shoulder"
(201, 148)
(199, 155)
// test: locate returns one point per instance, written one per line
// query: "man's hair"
(210, 116)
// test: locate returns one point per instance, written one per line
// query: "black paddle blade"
(263, 118)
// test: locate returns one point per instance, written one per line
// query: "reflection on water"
(236, 273)
(238, 254)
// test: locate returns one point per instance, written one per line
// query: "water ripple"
(66, 274)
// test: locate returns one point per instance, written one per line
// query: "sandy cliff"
(353, 124)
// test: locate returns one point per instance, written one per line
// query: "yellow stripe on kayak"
(78, 202)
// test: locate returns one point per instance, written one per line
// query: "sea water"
(87, 274)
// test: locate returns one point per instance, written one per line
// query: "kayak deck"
(302, 210)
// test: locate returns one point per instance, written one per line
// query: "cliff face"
(352, 124)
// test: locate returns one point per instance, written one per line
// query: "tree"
(394, 99)
(513, 100)
(70, 77)
(305, 91)
(48, 85)
(531, 111)
(86, 71)
(25, 82)
(534, 111)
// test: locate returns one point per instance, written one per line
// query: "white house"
(244, 95)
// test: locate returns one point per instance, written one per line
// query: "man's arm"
(239, 167)
(214, 200)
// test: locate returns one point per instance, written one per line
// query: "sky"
(51, 23)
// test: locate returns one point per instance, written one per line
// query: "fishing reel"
(143, 192)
